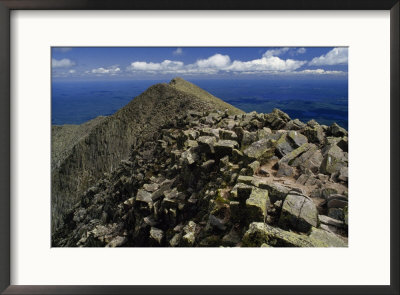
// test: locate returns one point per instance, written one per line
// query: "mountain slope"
(81, 159)
(213, 179)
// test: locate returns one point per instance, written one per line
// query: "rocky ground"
(212, 179)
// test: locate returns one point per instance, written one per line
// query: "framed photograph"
(158, 147)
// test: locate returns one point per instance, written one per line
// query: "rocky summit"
(178, 167)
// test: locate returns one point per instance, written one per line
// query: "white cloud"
(266, 64)
(62, 63)
(178, 51)
(113, 70)
(71, 71)
(165, 66)
(336, 56)
(275, 52)
(301, 50)
(215, 61)
(219, 63)
(321, 72)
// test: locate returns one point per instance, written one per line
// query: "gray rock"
(216, 223)
(295, 124)
(284, 170)
(206, 143)
(337, 131)
(283, 146)
(225, 147)
(331, 221)
(298, 213)
(256, 205)
(276, 190)
(297, 138)
(336, 213)
(261, 151)
(334, 160)
(276, 119)
(227, 134)
(248, 138)
(156, 236)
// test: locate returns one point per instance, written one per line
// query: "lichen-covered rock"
(297, 138)
(156, 236)
(260, 151)
(314, 132)
(334, 160)
(259, 234)
(206, 143)
(298, 213)
(290, 157)
(276, 190)
(225, 147)
(276, 119)
(257, 204)
(337, 131)
(284, 170)
(283, 146)
(295, 124)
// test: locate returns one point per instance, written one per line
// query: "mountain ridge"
(100, 149)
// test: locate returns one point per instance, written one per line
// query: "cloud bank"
(336, 56)
(218, 63)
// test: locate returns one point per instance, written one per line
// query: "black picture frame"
(5, 165)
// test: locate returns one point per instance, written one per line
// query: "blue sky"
(125, 63)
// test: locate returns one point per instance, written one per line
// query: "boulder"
(253, 167)
(290, 157)
(256, 205)
(245, 179)
(337, 131)
(295, 124)
(323, 238)
(189, 237)
(297, 138)
(248, 138)
(227, 134)
(260, 151)
(330, 221)
(283, 146)
(298, 213)
(334, 160)
(156, 236)
(285, 170)
(276, 190)
(336, 213)
(206, 143)
(311, 159)
(231, 239)
(240, 192)
(225, 147)
(314, 132)
(189, 156)
(260, 233)
(276, 119)
(264, 133)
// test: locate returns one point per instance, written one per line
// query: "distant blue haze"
(325, 100)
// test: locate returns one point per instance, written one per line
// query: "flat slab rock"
(260, 234)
